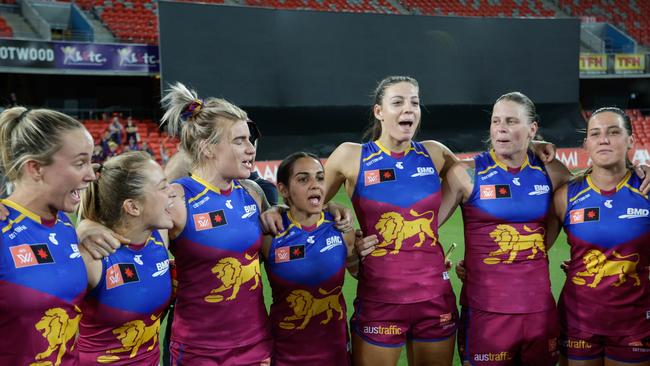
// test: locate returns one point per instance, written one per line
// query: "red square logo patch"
(577, 216)
(488, 192)
(371, 177)
(202, 221)
(23, 256)
(282, 255)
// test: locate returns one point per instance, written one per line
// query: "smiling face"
(399, 111)
(305, 190)
(608, 140)
(511, 128)
(157, 200)
(69, 173)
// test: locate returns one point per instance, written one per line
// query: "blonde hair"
(121, 177)
(196, 120)
(31, 135)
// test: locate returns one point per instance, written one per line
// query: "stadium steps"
(20, 27)
(102, 34)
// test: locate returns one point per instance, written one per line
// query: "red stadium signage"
(574, 158)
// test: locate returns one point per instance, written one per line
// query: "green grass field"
(451, 232)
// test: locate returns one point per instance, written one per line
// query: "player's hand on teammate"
(342, 216)
(460, 270)
(98, 240)
(544, 150)
(364, 245)
(272, 220)
(643, 171)
(4, 212)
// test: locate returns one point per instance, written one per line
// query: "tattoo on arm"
(254, 187)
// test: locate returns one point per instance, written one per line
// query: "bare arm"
(556, 215)
(342, 167)
(93, 268)
(456, 188)
(442, 157)
(178, 166)
(256, 191)
(558, 173)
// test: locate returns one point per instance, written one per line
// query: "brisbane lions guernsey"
(121, 315)
(42, 281)
(607, 289)
(219, 301)
(306, 268)
(397, 197)
(505, 228)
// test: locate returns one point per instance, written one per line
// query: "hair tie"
(192, 109)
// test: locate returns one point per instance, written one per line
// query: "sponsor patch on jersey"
(331, 242)
(209, 220)
(584, 215)
(424, 171)
(494, 191)
(539, 189)
(249, 210)
(372, 177)
(286, 254)
(26, 255)
(161, 268)
(120, 274)
(635, 213)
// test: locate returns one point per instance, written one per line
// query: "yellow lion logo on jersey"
(394, 229)
(58, 329)
(232, 275)
(305, 306)
(511, 242)
(598, 266)
(133, 335)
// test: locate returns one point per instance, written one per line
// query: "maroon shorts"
(580, 345)
(256, 354)
(486, 338)
(391, 325)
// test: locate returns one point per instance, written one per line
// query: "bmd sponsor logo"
(635, 213)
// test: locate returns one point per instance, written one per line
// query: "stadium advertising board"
(574, 158)
(126, 58)
(629, 63)
(593, 63)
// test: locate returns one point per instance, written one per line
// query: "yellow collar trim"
(297, 224)
(210, 186)
(620, 184)
(22, 210)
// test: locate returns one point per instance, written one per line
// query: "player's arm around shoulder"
(93, 267)
(456, 188)
(342, 167)
(556, 215)
(256, 192)
(442, 157)
(178, 211)
(558, 173)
